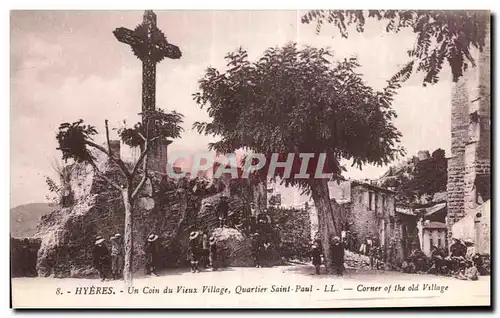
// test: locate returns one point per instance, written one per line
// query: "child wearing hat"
(213, 253)
(205, 253)
(117, 255)
(256, 249)
(194, 251)
(316, 258)
(101, 258)
(151, 254)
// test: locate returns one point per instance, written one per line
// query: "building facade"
(370, 212)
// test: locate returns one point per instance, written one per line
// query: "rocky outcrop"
(169, 208)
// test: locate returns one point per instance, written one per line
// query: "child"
(194, 251)
(316, 258)
(213, 253)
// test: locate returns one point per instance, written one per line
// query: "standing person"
(373, 256)
(222, 211)
(213, 253)
(121, 255)
(194, 251)
(152, 255)
(316, 258)
(101, 258)
(355, 242)
(256, 242)
(470, 249)
(362, 248)
(348, 235)
(116, 253)
(369, 244)
(337, 252)
(205, 250)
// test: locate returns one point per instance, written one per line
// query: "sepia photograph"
(185, 159)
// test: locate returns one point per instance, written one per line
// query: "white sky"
(67, 65)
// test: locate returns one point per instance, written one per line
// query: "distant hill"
(25, 218)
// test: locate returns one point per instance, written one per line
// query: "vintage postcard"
(250, 159)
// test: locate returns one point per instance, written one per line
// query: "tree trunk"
(260, 195)
(128, 266)
(327, 221)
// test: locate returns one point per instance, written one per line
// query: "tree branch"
(119, 162)
(144, 177)
(100, 174)
(107, 137)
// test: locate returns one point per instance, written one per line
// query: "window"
(439, 242)
(370, 195)
(376, 201)
(431, 242)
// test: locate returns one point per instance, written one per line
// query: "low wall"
(294, 226)
(23, 255)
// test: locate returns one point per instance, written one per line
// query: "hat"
(193, 235)
(152, 238)
(469, 241)
(314, 246)
(113, 238)
(98, 237)
(99, 240)
(212, 240)
(118, 235)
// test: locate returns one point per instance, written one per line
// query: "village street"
(282, 286)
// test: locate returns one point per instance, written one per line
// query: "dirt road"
(277, 287)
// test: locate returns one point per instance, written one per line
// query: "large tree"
(294, 101)
(441, 35)
(76, 143)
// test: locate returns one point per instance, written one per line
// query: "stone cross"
(149, 45)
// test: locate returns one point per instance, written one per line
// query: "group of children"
(202, 252)
(337, 253)
(108, 264)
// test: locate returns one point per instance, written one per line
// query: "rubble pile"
(354, 260)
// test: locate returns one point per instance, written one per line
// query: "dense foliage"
(416, 178)
(441, 35)
(298, 101)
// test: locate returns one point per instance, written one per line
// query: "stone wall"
(294, 227)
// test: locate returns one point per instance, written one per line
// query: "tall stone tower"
(158, 158)
(469, 166)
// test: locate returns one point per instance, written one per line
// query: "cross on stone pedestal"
(149, 45)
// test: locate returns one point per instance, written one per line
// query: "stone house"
(432, 228)
(370, 211)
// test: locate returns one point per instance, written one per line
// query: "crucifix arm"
(102, 176)
(119, 162)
